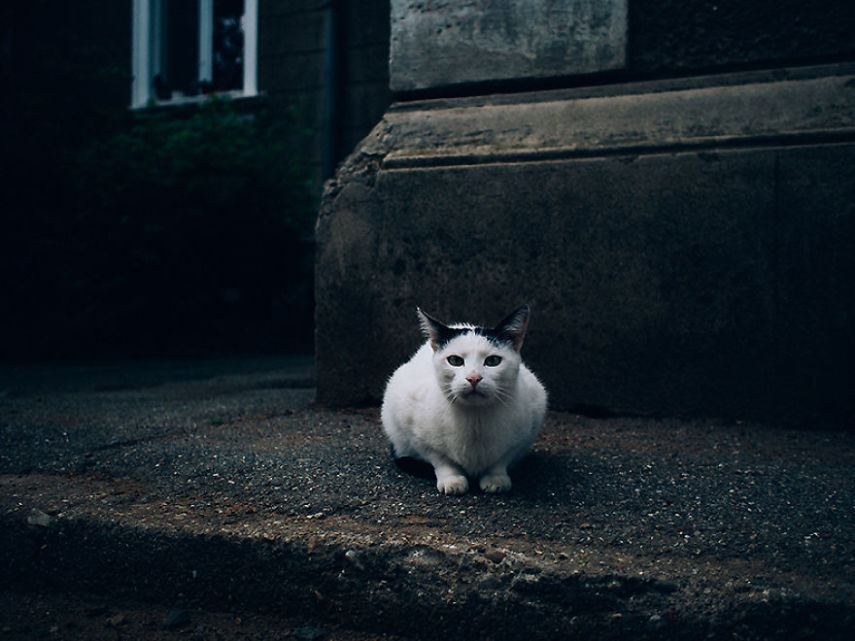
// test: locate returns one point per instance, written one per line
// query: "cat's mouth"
(474, 395)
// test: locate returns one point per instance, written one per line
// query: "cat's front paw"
(452, 484)
(495, 483)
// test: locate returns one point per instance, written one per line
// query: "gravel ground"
(49, 615)
(219, 487)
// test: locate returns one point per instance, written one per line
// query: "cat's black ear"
(513, 328)
(433, 329)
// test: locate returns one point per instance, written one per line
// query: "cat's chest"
(475, 444)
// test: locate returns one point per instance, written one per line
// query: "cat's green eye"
(492, 361)
(455, 361)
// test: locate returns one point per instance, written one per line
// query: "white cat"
(465, 403)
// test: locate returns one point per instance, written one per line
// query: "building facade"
(668, 184)
(100, 247)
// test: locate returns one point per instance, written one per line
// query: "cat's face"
(475, 365)
(473, 370)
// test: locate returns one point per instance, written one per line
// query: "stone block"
(685, 250)
(439, 43)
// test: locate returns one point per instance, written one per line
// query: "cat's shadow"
(538, 477)
(414, 467)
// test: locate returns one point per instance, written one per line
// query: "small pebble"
(308, 633)
(176, 619)
(496, 556)
(39, 518)
(116, 620)
(353, 557)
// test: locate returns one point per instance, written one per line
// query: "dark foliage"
(141, 233)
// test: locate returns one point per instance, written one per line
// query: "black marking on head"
(511, 331)
(438, 332)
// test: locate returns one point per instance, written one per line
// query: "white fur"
(433, 413)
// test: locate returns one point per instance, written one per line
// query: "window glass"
(181, 47)
(228, 45)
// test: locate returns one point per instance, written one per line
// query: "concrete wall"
(293, 39)
(436, 44)
(684, 237)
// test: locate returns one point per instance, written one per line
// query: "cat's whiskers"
(502, 396)
(452, 396)
(452, 400)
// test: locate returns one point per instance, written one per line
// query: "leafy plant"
(176, 233)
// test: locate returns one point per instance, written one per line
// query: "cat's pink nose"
(474, 379)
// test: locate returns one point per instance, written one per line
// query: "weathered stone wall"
(685, 243)
(437, 43)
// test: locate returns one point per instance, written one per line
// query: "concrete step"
(230, 491)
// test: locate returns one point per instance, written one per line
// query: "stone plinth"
(685, 246)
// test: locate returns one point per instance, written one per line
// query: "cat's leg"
(450, 479)
(496, 479)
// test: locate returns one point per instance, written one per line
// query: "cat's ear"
(433, 329)
(513, 328)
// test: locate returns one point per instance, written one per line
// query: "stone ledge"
(553, 125)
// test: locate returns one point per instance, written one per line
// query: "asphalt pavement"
(220, 486)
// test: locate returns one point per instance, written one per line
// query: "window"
(187, 49)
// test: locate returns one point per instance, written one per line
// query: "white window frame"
(146, 49)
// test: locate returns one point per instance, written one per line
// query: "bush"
(169, 234)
